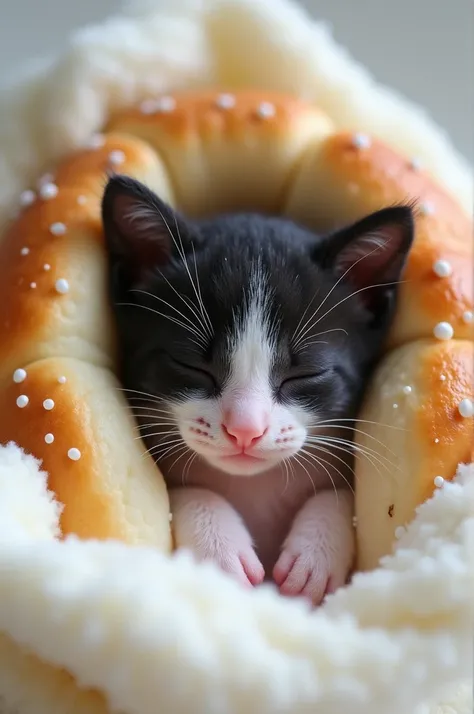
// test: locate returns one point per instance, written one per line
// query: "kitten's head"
(248, 332)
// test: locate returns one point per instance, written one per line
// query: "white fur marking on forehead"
(252, 344)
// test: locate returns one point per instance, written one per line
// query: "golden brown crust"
(52, 268)
(226, 151)
(208, 152)
(353, 181)
(73, 417)
(412, 431)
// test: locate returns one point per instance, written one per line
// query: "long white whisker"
(351, 445)
(145, 394)
(168, 304)
(307, 341)
(158, 447)
(156, 433)
(350, 449)
(187, 467)
(180, 456)
(194, 332)
(359, 421)
(173, 449)
(326, 451)
(296, 330)
(299, 348)
(366, 255)
(350, 453)
(356, 292)
(295, 457)
(357, 431)
(182, 254)
(153, 424)
(302, 454)
(166, 413)
(287, 476)
(201, 302)
(189, 304)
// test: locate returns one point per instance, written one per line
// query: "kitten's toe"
(306, 574)
(283, 566)
(252, 567)
(244, 566)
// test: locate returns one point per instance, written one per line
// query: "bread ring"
(210, 152)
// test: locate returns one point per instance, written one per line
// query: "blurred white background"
(424, 48)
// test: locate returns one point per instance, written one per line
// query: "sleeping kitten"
(245, 345)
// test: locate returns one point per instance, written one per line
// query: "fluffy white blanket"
(89, 627)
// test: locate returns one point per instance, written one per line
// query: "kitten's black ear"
(372, 252)
(140, 230)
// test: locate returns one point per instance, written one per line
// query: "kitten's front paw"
(212, 530)
(304, 570)
(318, 553)
(238, 560)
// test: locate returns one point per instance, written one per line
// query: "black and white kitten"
(245, 345)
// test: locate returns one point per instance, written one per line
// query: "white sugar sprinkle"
(416, 164)
(436, 441)
(48, 190)
(438, 481)
(265, 110)
(361, 141)
(407, 390)
(46, 267)
(165, 104)
(427, 208)
(399, 531)
(25, 251)
(395, 406)
(82, 200)
(468, 317)
(62, 380)
(48, 404)
(116, 157)
(466, 408)
(62, 286)
(57, 229)
(33, 286)
(19, 376)
(49, 438)
(27, 198)
(74, 454)
(225, 101)
(443, 331)
(22, 401)
(442, 268)
(442, 377)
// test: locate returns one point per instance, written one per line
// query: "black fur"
(158, 356)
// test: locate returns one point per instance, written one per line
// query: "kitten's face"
(244, 329)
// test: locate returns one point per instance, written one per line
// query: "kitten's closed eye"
(303, 377)
(303, 380)
(198, 375)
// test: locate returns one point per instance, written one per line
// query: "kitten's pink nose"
(245, 433)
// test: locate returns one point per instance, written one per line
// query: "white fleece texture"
(98, 627)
